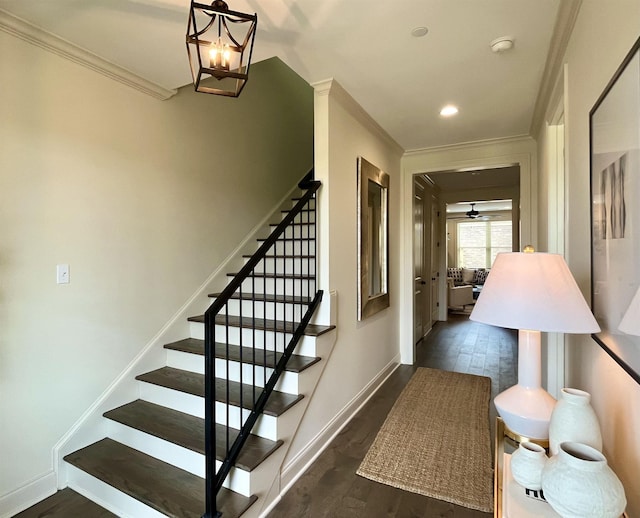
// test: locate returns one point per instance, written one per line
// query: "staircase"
(154, 459)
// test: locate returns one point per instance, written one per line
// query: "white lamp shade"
(533, 291)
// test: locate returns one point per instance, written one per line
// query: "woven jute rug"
(436, 440)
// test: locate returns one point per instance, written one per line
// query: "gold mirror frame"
(373, 239)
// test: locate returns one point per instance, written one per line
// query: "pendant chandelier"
(219, 45)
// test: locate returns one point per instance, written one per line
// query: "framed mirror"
(373, 239)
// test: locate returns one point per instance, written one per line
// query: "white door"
(434, 259)
(418, 260)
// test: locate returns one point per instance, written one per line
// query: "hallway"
(330, 488)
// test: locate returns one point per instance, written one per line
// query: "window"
(480, 241)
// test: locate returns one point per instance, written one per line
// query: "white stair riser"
(238, 480)
(271, 340)
(246, 337)
(294, 248)
(299, 231)
(288, 265)
(185, 361)
(306, 346)
(303, 217)
(266, 426)
(187, 403)
(291, 287)
(295, 198)
(288, 382)
(268, 310)
(171, 453)
(107, 496)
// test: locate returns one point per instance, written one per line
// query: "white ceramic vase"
(578, 483)
(527, 463)
(573, 419)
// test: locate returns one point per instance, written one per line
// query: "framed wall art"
(614, 124)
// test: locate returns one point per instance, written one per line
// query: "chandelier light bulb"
(219, 55)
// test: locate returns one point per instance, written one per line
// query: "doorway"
(517, 154)
(480, 201)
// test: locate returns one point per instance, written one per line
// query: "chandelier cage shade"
(219, 45)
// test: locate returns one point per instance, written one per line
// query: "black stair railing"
(280, 276)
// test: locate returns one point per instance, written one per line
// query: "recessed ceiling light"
(419, 32)
(449, 110)
(501, 44)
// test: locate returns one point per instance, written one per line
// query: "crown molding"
(525, 141)
(337, 92)
(565, 21)
(45, 40)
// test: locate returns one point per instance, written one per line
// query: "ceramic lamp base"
(526, 407)
(526, 411)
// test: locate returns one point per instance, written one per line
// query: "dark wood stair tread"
(282, 256)
(193, 383)
(188, 431)
(288, 239)
(264, 325)
(267, 297)
(296, 363)
(262, 275)
(305, 209)
(63, 504)
(169, 490)
(293, 224)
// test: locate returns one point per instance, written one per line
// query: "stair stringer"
(324, 348)
(90, 427)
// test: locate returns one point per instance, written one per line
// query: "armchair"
(459, 296)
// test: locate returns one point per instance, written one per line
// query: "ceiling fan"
(473, 213)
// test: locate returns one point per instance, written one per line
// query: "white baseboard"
(295, 468)
(29, 494)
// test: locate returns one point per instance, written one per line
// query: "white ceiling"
(366, 45)
(476, 178)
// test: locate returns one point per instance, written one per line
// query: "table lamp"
(531, 292)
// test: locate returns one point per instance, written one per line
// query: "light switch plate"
(62, 273)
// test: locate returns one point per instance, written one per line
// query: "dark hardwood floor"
(66, 504)
(330, 487)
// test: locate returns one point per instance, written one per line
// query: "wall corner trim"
(565, 21)
(337, 91)
(45, 40)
